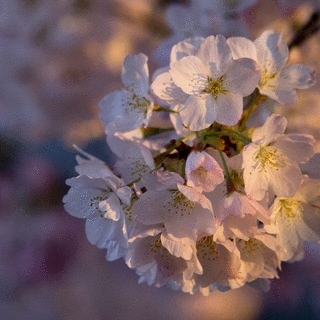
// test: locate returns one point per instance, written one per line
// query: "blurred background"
(57, 60)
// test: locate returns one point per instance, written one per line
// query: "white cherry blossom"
(297, 218)
(135, 158)
(130, 108)
(101, 202)
(185, 213)
(279, 82)
(259, 256)
(215, 83)
(272, 160)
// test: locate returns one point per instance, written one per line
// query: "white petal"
(272, 51)
(100, 231)
(286, 180)
(255, 182)
(281, 96)
(289, 239)
(120, 111)
(185, 48)
(149, 208)
(135, 74)
(298, 148)
(241, 77)
(230, 107)
(242, 48)
(190, 75)
(274, 127)
(296, 76)
(215, 54)
(165, 89)
(111, 207)
(79, 197)
(199, 112)
(311, 220)
(176, 246)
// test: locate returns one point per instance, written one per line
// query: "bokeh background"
(57, 60)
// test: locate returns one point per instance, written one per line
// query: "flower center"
(269, 156)
(290, 208)
(140, 103)
(179, 204)
(95, 201)
(207, 248)
(215, 87)
(266, 78)
(250, 247)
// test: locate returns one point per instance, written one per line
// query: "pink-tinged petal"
(112, 105)
(124, 194)
(215, 54)
(195, 196)
(242, 228)
(135, 74)
(240, 205)
(99, 230)
(273, 128)
(192, 225)
(297, 147)
(161, 180)
(199, 112)
(79, 198)
(111, 208)
(137, 230)
(241, 77)
(139, 253)
(203, 171)
(272, 51)
(92, 166)
(242, 48)
(308, 228)
(281, 96)
(120, 111)
(176, 246)
(185, 48)
(149, 208)
(296, 76)
(286, 180)
(190, 75)
(255, 181)
(288, 238)
(132, 152)
(310, 192)
(229, 110)
(311, 219)
(164, 88)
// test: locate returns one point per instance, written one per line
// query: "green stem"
(230, 186)
(160, 157)
(158, 108)
(236, 135)
(230, 133)
(253, 105)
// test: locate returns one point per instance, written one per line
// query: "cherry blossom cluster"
(197, 199)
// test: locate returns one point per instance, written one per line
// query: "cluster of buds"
(198, 200)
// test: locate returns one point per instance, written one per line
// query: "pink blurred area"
(58, 59)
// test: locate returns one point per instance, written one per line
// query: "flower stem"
(230, 186)
(253, 105)
(158, 108)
